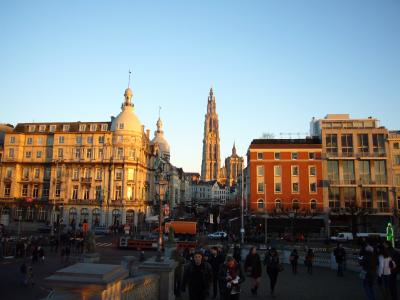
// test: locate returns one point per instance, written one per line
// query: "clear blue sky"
(274, 64)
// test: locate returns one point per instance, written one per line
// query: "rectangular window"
(35, 192)
(295, 170)
(86, 193)
(380, 172)
(363, 145)
(75, 174)
(101, 153)
(24, 190)
(61, 139)
(331, 144)
(334, 197)
(28, 154)
(118, 174)
(260, 187)
(29, 141)
(39, 154)
(7, 189)
(313, 187)
(311, 155)
(348, 172)
(87, 173)
(82, 127)
(366, 197)
(42, 128)
(364, 171)
(12, 139)
(349, 195)
(278, 187)
(101, 139)
(118, 192)
(52, 128)
(260, 171)
(93, 127)
(120, 153)
(395, 145)
(60, 152)
(277, 156)
(31, 128)
(397, 179)
(382, 200)
(277, 171)
(49, 152)
(295, 187)
(89, 153)
(260, 155)
(11, 153)
(378, 141)
(396, 160)
(58, 172)
(130, 174)
(294, 155)
(66, 127)
(313, 171)
(121, 125)
(40, 141)
(78, 140)
(75, 191)
(77, 153)
(47, 172)
(58, 190)
(37, 173)
(99, 173)
(25, 173)
(347, 145)
(98, 192)
(89, 140)
(104, 127)
(9, 172)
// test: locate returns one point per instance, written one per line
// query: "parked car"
(343, 237)
(101, 230)
(217, 235)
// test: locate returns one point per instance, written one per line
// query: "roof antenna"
(129, 80)
(159, 111)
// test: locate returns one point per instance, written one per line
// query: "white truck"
(348, 236)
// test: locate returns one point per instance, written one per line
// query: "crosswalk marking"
(103, 244)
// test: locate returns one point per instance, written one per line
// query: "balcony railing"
(84, 201)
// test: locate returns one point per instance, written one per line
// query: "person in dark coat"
(252, 265)
(197, 276)
(177, 257)
(273, 268)
(369, 266)
(394, 269)
(215, 259)
(309, 260)
(294, 258)
(340, 255)
(237, 253)
(230, 277)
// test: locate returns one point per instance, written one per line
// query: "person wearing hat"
(198, 277)
(230, 277)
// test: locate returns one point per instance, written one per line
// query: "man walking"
(340, 255)
(215, 260)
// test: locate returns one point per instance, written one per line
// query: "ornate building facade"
(234, 167)
(101, 172)
(211, 162)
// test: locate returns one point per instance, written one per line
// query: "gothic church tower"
(211, 157)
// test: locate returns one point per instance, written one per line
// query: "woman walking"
(253, 267)
(273, 268)
(230, 277)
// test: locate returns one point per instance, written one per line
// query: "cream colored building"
(356, 171)
(394, 145)
(95, 171)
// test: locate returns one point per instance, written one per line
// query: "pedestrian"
(394, 268)
(293, 258)
(198, 277)
(30, 276)
(23, 271)
(309, 260)
(340, 255)
(273, 268)
(178, 273)
(253, 267)
(385, 265)
(35, 254)
(67, 253)
(368, 273)
(237, 253)
(230, 277)
(41, 254)
(215, 260)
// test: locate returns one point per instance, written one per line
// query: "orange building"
(286, 181)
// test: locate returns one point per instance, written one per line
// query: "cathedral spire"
(234, 148)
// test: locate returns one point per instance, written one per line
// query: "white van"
(343, 237)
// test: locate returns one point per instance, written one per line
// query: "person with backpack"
(273, 268)
(309, 260)
(340, 255)
(293, 258)
(230, 277)
(253, 267)
(198, 277)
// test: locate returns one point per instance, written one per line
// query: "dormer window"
(82, 127)
(31, 128)
(104, 127)
(52, 128)
(66, 127)
(93, 127)
(121, 126)
(42, 128)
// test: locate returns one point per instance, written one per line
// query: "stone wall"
(141, 287)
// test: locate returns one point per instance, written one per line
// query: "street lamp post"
(242, 208)
(161, 182)
(53, 214)
(265, 215)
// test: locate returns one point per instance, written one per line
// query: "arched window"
(260, 204)
(278, 204)
(96, 217)
(84, 215)
(313, 204)
(130, 214)
(295, 204)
